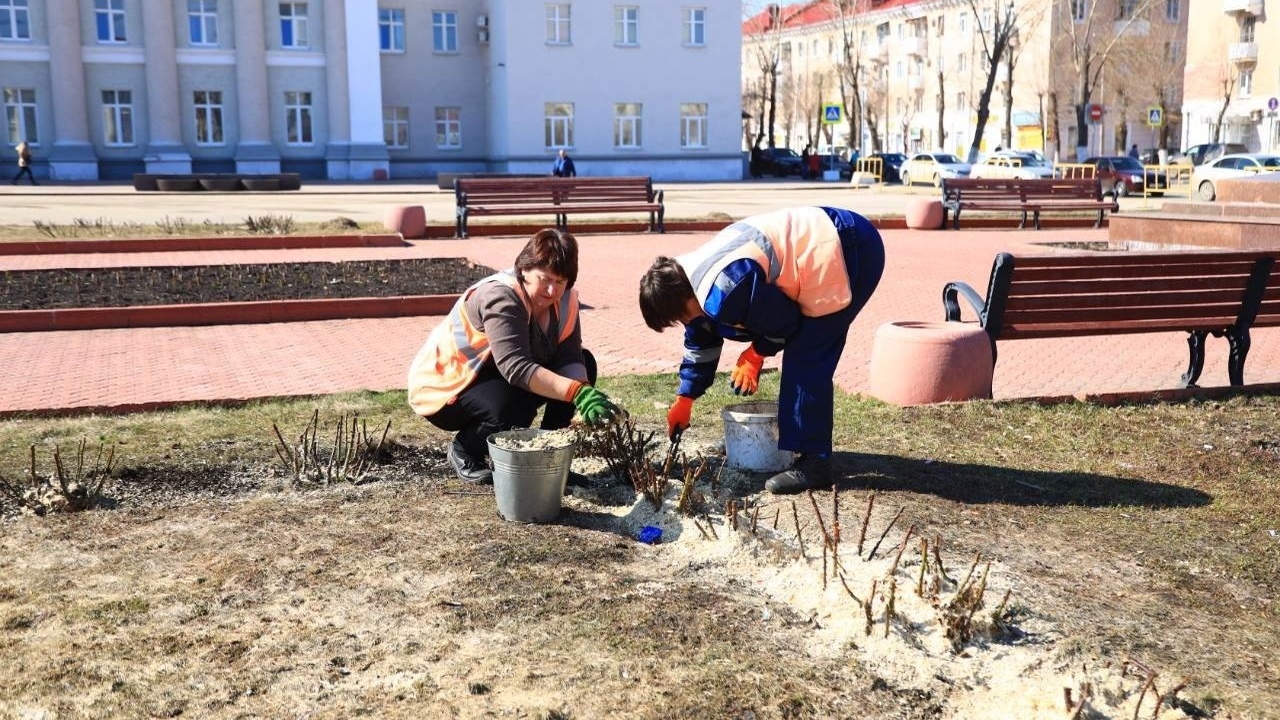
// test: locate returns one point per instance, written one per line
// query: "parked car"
(1012, 164)
(1205, 177)
(890, 163)
(1122, 175)
(779, 162)
(835, 161)
(1197, 155)
(933, 168)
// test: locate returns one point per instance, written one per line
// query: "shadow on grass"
(992, 484)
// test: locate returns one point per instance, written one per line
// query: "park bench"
(1224, 293)
(559, 196)
(1024, 195)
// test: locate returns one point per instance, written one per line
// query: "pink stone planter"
(918, 363)
(408, 220)
(924, 215)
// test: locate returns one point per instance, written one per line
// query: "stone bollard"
(408, 220)
(918, 363)
(924, 215)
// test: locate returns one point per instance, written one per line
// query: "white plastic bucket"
(529, 484)
(751, 438)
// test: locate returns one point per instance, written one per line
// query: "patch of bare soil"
(180, 285)
(226, 592)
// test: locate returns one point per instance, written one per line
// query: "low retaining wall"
(241, 313)
(249, 242)
(217, 182)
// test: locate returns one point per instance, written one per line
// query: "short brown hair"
(665, 291)
(550, 249)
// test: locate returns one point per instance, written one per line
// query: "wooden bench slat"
(1091, 301)
(1174, 317)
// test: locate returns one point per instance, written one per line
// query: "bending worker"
(791, 280)
(510, 345)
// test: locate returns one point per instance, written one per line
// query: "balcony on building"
(877, 51)
(1246, 7)
(1243, 53)
(916, 46)
(915, 83)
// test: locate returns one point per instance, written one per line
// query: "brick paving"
(122, 369)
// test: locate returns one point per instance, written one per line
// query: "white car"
(933, 168)
(1012, 164)
(1205, 177)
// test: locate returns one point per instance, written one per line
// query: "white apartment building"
(1233, 76)
(353, 89)
(922, 69)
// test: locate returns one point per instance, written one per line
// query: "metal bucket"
(751, 438)
(529, 484)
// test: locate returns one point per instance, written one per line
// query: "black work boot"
(470, 469)
(810, 472)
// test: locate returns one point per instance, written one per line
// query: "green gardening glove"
(594, 406)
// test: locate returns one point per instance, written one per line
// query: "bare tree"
(1092, 38)
(766, 49)
(849, 77)
(995, 32)
(1229, 77)
(1146, 69)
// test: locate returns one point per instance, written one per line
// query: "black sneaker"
(469, 468)
(810, 472)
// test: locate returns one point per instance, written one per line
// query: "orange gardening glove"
(745, 379)
(678, 416)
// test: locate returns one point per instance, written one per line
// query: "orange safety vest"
(456, 349)
(799, 249)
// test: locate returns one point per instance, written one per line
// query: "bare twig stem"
(866, 518)
(872, 555)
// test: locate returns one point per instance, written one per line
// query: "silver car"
(933, 168)
(1012, 164)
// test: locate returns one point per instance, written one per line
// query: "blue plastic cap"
(649, 534)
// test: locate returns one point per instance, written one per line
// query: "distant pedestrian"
(1133, 151)
(563, 166)
(756, 160)
(24, 164)
(804, 163)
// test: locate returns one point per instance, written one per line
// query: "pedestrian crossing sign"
(830, 114)
(1155, 116)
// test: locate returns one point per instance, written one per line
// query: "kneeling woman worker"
(791, 280)
(510, 345)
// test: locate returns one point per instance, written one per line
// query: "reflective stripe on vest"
(799, 250)
(456, 349)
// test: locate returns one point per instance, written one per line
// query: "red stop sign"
(1095, 112)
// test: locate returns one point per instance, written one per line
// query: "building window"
(558, 125)
(395, 127)
(202, 21)
(448, 127)
(117, 117)
(695, 26)
(919, 106)
(391, 29)
(293, 25)
(942, 24)
(109, 16)
(444, 31)
(693, 125)
(20, 115)
(209, 117)
(558, 25)
(962, 63)
(898, 70)
(297, 118)
(1246, 83)
(1247, 28)
(1173, 10)
(1125, 9)
(1172, 51)
(15, 20)
(1079, 9)
(962, 101)
(626, 25)
(626, 125)
(963, 23)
